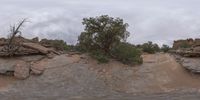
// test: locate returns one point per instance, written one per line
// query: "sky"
(160, 21)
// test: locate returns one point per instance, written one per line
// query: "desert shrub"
(149, 47)
(127, 53)
(99, 56)
(165, 48)
(57, 44)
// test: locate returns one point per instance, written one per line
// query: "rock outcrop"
(186, 43)
(21, 67)
(191, 64)
(26, 57)
(25, 47)
(187, 53)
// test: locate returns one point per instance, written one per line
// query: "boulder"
(37, 68)
(196, 49)
(22, 70)
(36, 46)
(7, 65)
(191, 64)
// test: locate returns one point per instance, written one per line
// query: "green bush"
(165, 48)
(57, 44)
(150, 47)
(127, 54)
(99, 56)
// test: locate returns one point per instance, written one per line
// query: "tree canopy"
(150, 47)
(102, 33)
(165, 48)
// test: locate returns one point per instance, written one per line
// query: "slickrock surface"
(191, 64)
(78, 77)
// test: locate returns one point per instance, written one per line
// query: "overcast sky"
(160, 21)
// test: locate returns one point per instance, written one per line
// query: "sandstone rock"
(191, 64)
(196, 49)
(51, 55)
(31, 58)
(36, 47)
(180, 43)
(22, 70)
(2, 41)
(37, 68)
(7, 65)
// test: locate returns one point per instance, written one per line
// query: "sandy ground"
(78, 77)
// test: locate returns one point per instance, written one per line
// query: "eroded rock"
(191, 64)
(21, 70)
(7, 65)
(37, 68)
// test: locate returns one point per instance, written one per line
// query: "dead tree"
(13, 46)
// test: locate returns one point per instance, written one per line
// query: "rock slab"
(191, 64)
(37, 68)
(21, 70)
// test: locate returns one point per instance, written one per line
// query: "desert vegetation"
(56, 44)
(105, 37)
(149, 47)
(165, 48)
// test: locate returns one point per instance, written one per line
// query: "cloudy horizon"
(156, 20)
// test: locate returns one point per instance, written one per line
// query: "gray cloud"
(150, 20)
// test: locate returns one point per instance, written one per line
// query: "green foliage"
(150, 47)
(127, 53)
(57, 44)
(102, 33)
(99, 56)
(165, 48)
(104, 38)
